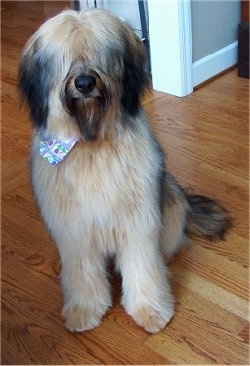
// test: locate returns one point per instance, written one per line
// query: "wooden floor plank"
(211, 291)
(209, 336)
(206, 139)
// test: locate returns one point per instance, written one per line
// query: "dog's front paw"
(150, 319)
(79, 319)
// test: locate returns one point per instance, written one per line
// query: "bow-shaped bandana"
(54, 151)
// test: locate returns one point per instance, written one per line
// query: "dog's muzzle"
(85, 83)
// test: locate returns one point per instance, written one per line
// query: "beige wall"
(214, 25)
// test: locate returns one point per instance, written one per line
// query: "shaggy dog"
(98, 172)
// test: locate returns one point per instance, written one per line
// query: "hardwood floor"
(205, 137)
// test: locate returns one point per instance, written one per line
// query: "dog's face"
(82, 72)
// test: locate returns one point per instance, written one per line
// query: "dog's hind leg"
(85, 286)
(174, 219)
(187, 215)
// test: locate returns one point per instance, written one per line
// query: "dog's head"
(81, 72)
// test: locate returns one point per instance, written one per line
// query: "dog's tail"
(185, 214)
(206, 217)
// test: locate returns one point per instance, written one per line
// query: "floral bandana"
(54, 151)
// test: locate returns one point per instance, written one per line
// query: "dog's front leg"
(85, 286)
(146, 292)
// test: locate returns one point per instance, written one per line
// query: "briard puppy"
(98, 172)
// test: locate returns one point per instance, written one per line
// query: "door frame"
(170, 32)
(170, 38)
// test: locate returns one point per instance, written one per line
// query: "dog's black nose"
(85, 84)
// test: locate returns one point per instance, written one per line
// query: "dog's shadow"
(115, 280)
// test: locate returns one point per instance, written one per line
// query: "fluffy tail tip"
(207, 218)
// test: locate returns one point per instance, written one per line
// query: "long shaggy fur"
(111, 195)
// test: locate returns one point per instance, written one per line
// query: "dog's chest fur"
(99, 184)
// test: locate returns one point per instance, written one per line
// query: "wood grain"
(205, 137)
(245, 11)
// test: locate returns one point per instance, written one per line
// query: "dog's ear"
(135, 78)
(34, 82)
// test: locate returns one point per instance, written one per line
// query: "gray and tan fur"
(83, 74)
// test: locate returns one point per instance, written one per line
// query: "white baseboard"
(215, 63)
